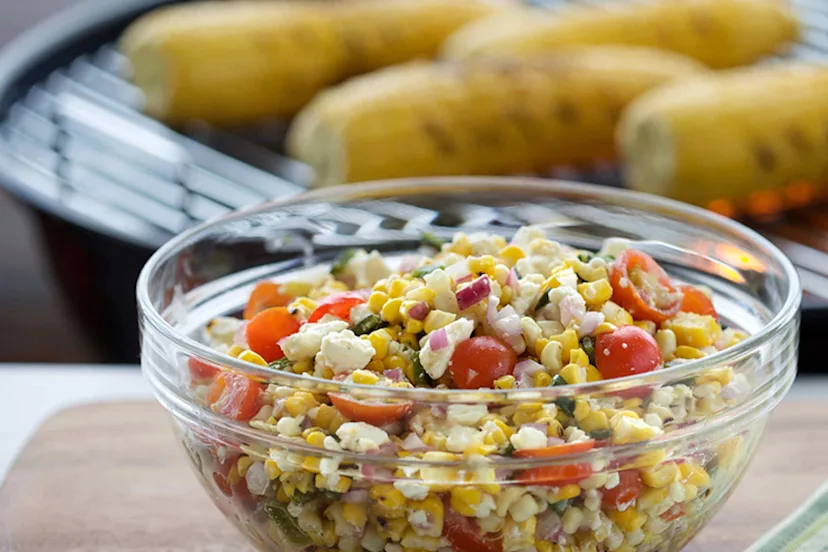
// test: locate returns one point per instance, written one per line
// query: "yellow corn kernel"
(568, 341)
(578, 356)
(375, 366)
(542, 379)
(305, 482)
(648, 459)
(659, 476)
(592, 374)
(629, 520)
(395, 528)
(683, 351)
(540, 343)
(394, 361)
(303, 366)
(410, 340)
(433, 506)
(694, 330)
(281, 495)
(413, 326)
(632, 403)
(233, 476)
(573, 374)
(529, 407)
(365, 377)
(253, 358)
(379, 340)
(289, 489)
(559, 273)
(389, 502)
(390, 311)
(593, 421)
(666, 341)
(511, 255)
(581, 409)
(694, 474)
(437, 319)
(329, 418)
(355, 514)
(464, 500)
(546, 546)
(551, 354)
(556, 494)
(243, 464)
(650, 497)
(479, 448)
(721, 375)
(305, 303)
(315, 438)
(235, 350)
(521, 418)
(272, 469)
(604, 327)
(647, 325)
(436, 440)
(460, 245)
(506, 295)
(299, 403)
(595, 293)
(591, 273)
(311, 464)
(422, 294)
(483, 265)
(396, 288)
(615, 314)
(376, 301)
(505, 382)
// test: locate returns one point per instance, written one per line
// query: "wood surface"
(110, 477)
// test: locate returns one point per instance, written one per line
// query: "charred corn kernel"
(235, 350)
(629, 520)
(302, 366)
(376, 301)
(315, 438)
(578, 356)
(272, 469)
(243, 464)
(568, 341)
(551, 355)
(511, 254)
(460, 245)
(573, 374)
(413, 326)
(542, 379)
(649, 497)
(311, 464)
(365, 377)
(396, 287)
(647, 325)
(253, 358)
(556, 494)
(379, 341)
(355, 514)
(437, 319)
(282, 496)
(615, 314)
(604, 327)
(395, 528)
(464, 500)
(683, 351)
(694, 474)
(592, 374)
(721, 375)
(394, 361)
(389, 501)
(693, 330)
(594, 421)
(390, 311)
(483, 265)
(666, 341)
(410, 340)
(581, 409)
(595, 293)
(505, 382)
(659, 476)
(299, 403)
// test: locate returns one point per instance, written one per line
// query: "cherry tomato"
(338, 304)
(370, 412)
(222, 484)
(264, 296)
(556, 450)
(694, 300)
(267, 328)
(234, 396)
(557, 476)
(625, 492)
(479, 361)
(673, 513)
(200, 369)
(465, 535)
(626, 351)
(642, 287)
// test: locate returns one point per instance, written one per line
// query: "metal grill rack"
(75, 145)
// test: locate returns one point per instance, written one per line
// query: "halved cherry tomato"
(338, 304)
(465, 535)
(267, 328)
(557, 476)
(479, 361)
(222, 484)
(234, 396)
(200, 369)
(694, 300)
(370, 412)
(625, 492)
(557, 450)
(673, 513)
(264, 296)
(626, 351)
(642, 287)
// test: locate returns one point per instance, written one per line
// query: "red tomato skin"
(627, 490)
(201, 370)
(465, 535)
(479, 361)
(266, 329)
(338, 304)
(557, 450)
(371, 413)
(694, 300)
(626, 351)
(556, 476)
(235, 396)
(264, 296)
(628, 296)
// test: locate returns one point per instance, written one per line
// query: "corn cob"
(486, 117)
(235, 62)
(719, 33)
(729, 135)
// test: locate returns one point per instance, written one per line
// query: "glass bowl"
(286, 494)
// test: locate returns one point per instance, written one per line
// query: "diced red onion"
(438, 339)
(409, 263)
(413, 443)
(355, 496)
(394, 375)
(419, 311)
(512, 279)
(735, 389)
(590, 321)
(527, 367)
(256, 478)
(393, 428)
(540, 427)
(548, 526)
(571, 310)
(307, 423)
(526, 381)
(474, 293)
(438, 412)
(386, 449)
(240, 337)
(554, 441)
(375, 473)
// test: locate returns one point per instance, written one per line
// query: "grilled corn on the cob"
(485, 117)
(719, 33)
(730, 134)
(235, 62)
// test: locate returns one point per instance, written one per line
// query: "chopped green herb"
(608, 258)
(423, 270)
(509, 450)
(421, 378)
(566, 404)
(543, 301)
(369, 324)
(557, 380)
(279, 514)
(282, 364)
(588, 345)
(585, 256)
(338, 266)
(600, 434)
(430, 239)
(304, 498)
(561, 506)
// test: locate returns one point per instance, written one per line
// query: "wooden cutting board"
(110, 477)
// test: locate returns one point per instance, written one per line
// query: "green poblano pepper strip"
(567, 405)
(543, 301)
(585, 256)
(370, 323)
(600, 434)
(279, 514)
(588, 345)
(561, 506)
(423, 270)
(421, 378)
(557, 380)
(431, 240)
(338, 266)
(282, 364)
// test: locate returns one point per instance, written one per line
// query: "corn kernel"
(253, 358)
(629, 520)
(573, 374)
(328, 373)
(272, 469)
(435, 440)
(694, 330)
(315, 438)
(595, 293)
(615, 314)
(410, 340)
(437, 319)
(551, 354)
(302, 366)
(568, 340)
(433, 507)
(390, 311)
(355, 514)
(282, 496)
(647, 325)
(422, 294)
(650, 497)
(604, 327)
(592, 273)
(460, 245)
(592, 374)
(464, 500)
(396, 288)
(578, 356)
(556, 494)
(581, 409)
(542, 379)
(376, 301)
(305, 303)
(375, 366)
(395, 528)
(683, 351)
(721, 375)
(505, 382)
(299, 403)
(365, 377)
(329, 418)
(483, 265)
(413, 326)
(311, 464)
(388, 501)
(666, 341)
(648, 459)
(379, 340)
(243, 464)
(594, 421)
(659, 476)
(632, 403)
(511, 255)
(235, 350)
(694, 474)
(394, 361)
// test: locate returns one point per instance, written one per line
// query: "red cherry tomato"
(556, 476)
(200, 369)
(556, 450)
(694, 300)
(625, 492)
(479, 361)
(234, 396)
(267, 328)
(673, 513)
(370, 412)
(264, 296)
(642, 287)
(466, 536)
(626, 351)
(338, 304)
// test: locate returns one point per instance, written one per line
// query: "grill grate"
(77, 139)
